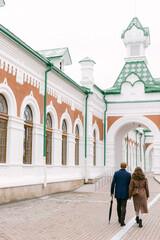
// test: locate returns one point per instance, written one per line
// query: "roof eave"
(23, 45)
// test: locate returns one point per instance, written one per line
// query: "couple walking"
(125, 186)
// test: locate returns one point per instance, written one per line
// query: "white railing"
(103, 179)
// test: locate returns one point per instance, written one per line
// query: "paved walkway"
(78, 215)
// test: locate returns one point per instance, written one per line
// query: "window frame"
(4, 119)
(77, 146)
(64, 141)
(27, 125)
(49, 134)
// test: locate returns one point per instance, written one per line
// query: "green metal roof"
(56, 53)
(99, 89)
(135, 22)
(39, 57)
(23, 45)
(143, 74)
(87, 59)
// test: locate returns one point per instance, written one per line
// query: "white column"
(81, 151)
(90, 151)
(56, 147)
(15, 133)
(156, 158)
(110, 156)
(37, 144)
(70, 149)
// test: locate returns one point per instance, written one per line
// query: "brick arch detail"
(155, 119)
(99, 123)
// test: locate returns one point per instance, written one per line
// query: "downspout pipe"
(86, 113)
(136, 149)
(105, 130)
(44, 127)
(86, 117)
(140, 147)
(144, 152)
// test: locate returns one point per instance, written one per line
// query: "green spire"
(135, 22)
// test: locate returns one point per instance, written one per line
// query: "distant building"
(89, 131)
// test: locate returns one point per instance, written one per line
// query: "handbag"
(135, 192)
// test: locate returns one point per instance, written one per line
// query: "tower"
(136, 39)
(87, 79)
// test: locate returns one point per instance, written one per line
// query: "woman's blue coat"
(120, 183)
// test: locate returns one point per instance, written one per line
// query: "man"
(120, 183)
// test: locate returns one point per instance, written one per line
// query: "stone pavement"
(78, 215)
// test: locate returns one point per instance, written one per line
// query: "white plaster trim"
(68, 121)
(95, 127)
(31, 101)
(10, 98)
(53, 113)
(79, 123)
(116, 126)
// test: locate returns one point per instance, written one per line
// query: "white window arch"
(36, 140)
(95, 139)
(66, 128)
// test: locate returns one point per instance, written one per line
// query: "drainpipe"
(140, 147)
(86, 113)
(44, 127)
(136, 147)
(105, 131)
(86, 103)
(144, 153)
(86, 108)
(127, 149)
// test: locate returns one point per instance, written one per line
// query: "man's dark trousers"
(121, 209)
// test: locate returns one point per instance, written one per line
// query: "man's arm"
(113, 184)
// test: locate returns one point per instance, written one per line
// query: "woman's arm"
(131, 186)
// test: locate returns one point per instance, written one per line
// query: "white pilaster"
(56, 147)
(15, 132)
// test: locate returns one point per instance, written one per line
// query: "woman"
(140, 182)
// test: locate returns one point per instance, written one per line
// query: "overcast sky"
(89, 28)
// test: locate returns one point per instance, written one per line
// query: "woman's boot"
(140, 223)
(137, 219)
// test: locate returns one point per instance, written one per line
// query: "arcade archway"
(115, 141)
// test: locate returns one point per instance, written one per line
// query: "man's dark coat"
(120, 182)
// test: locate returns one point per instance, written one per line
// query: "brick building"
(81, 131)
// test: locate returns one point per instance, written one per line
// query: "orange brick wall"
(100, 126)
(20, 91)
(111, 120)
(155, 119)
(61, 108)
(147, 145)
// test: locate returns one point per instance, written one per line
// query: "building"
(56, 134)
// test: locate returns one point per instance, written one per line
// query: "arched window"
(3, 128)
(49, 139)
(94, 148)
(27, 143)
(64, 142)
(77, 145)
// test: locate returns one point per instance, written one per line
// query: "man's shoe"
(122, 224)
(119, 220)
(137, 219)
(140, 223)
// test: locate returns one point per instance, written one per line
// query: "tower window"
(135, 50)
